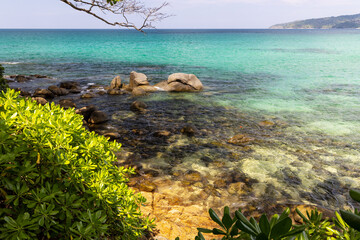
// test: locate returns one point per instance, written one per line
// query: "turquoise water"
(312, 76)
(308, 79)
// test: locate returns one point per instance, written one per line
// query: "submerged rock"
(266, 123)
(193, 176)
(69, 85)
(115, 92)
(241, 140)
(86, 111)
(58, 91)
(67, 103)
(88, 95)
(44, 93)
(97, 117)
(40, 100)
(21, 78)
(138, 106)
(189, 130)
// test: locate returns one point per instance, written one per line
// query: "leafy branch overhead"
(125, 10)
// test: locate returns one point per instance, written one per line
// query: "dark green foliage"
(352, 218)
(279, 227)
(227, 224)
(58, 180)
(3, 84)
(317, 227)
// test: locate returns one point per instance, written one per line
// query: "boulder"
(38, 76)
(98, 117)
(67, 103)
(88, 95)
(116, 83)
(69, 85)
(44, 93)
(137, 79)
(112, 135)
(241, 140)
(181, 82)
(266, 123)
(86, 111)
(58, 91)
(189, 130)
(40, 100)
(115, 92)
(148, 88)
(138, 106)
(21, 78)
(138, 91)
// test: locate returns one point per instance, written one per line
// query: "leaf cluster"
(314, 227)
(58, 181)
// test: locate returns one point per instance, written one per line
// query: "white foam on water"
(10, 63)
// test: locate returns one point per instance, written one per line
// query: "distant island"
(345, 21)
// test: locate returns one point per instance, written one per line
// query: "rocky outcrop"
(86, 111)
(67, 103)
(44, 93)
(137, 79)
(181, 82)
(40, 100)
(138, 106)
(98, 117)
(58, 91)
(116, 83)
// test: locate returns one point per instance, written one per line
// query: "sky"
(186, 13)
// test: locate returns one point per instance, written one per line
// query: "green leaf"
(264, 225)
(355, 195)
(351, 219)
(282, 227)
(215, 218)
(227, 220)
(204, 230)
(261, 236)
(216, 231)
(246, 223)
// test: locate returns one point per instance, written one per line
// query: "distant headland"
(345, 21)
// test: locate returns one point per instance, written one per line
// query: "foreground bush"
(58, 180)
(314, 226)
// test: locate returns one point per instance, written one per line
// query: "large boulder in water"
(116, 83)
(58, 91)
(181, 82)
(137, 79)
(44, 93)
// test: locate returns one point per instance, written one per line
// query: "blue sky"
(187, 13)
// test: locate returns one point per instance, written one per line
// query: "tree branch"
(123, 8)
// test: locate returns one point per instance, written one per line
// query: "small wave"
(10, 63)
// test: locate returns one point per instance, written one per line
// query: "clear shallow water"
(309, 79)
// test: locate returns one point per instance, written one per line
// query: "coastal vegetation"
(58, 180)
(345, 21)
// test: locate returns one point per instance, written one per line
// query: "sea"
(294, 93)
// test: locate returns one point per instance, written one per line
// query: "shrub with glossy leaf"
(352, 218)
(58, 180)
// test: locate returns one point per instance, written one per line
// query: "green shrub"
(3, 84)
(58, 181)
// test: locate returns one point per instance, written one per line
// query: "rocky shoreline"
(190, 157)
